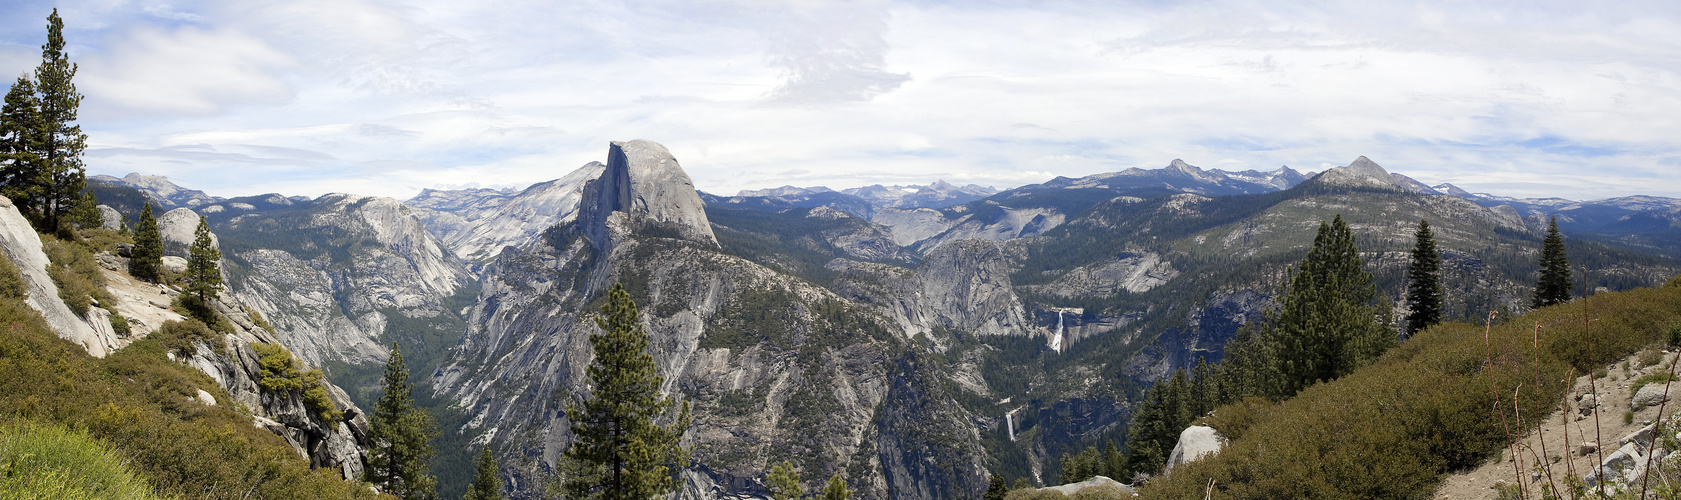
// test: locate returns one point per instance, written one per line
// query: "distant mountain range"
(910, 338)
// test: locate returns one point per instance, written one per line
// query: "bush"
(76, 273)
(45, 461)
(179, 336)
(12, 285)
(1424, 409)
(282, 374)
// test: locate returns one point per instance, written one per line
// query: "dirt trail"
(1614, 394)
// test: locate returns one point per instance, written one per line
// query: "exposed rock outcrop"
(349, 268)
(234, 364)
(478, 224)
(23, 246)
(178, 228)
(642, 185)
(967, 286)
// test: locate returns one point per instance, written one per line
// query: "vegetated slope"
(1390, 430)
(148, 410)
(48, 461)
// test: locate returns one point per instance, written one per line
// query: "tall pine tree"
(486, 484)
(620, 452)
(1325, 325)
(146, 260)
(1424, 282)
(204, 269)
(21, 144)
(399, 462)
(1554, 285)
(61, 154)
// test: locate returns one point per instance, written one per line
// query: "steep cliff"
(776, 367)
(338, 273)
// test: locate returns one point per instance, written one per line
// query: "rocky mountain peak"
(1367, 167)
(642, 183)
(1361, 172)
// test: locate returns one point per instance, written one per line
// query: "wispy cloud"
(388, 97)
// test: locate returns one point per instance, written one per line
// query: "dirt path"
(1615, 395)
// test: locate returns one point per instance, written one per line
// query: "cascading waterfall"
(1056, 339)
(1009, 420)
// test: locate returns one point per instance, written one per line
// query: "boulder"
(1642, 439)
(1648, 395)
(1195, 442)
(110, 218)
(1623, 465)
(1096, 487)
(175, 264)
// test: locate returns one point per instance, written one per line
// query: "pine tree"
(146, 261)
(1114, 462)
(619, 451)
(20, 147)
(399, 460)
(784, 482)
(836, 490)
(1424, 282)
(204, 271)
(486, 484)
(995, 488)
(85, 215)
(1554, 285)
(1325, 325)
(61, 157)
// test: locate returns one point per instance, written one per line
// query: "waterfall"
(1009, 420)
(1056, 339)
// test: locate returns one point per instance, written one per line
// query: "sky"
(1580, 100)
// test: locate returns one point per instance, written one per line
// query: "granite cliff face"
(477, 224)
(776, 368)
(642, 185)
(336, 273)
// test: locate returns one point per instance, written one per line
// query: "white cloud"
(1558, 99)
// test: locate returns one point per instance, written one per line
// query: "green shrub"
(190, 306)
(1425, 409)
(1650, 356)
(77, 275)
(282, 374)
(11, 280)
(1654, 378)
(45, 461)
(120, 325)
(179, 336)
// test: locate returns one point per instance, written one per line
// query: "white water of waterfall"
(1009, 420)
(1056, 339)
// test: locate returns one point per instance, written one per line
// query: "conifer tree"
(399, 462)
(1156, 426)
(61, 154)
(20, 147)
(85, 214)
(146, 261)
(1114, 462)
(619, 451)
(784, 482)
(204, 271)
(836, 490)
(1325, 325)
(486, 484)
(1554, 285)
(995, 488)
(1424, 282)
